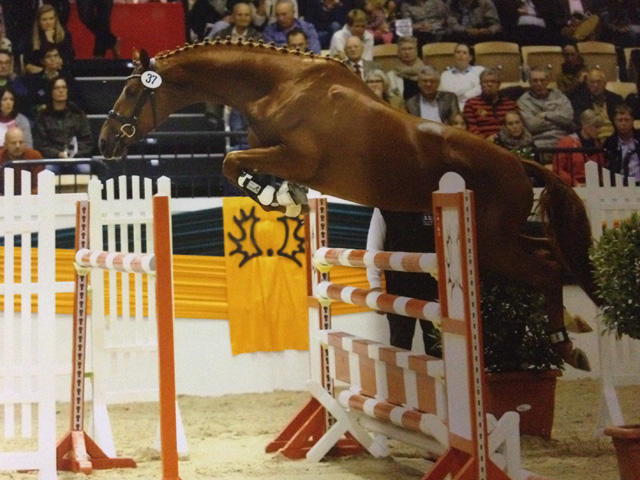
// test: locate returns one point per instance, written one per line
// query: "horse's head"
(134, 113)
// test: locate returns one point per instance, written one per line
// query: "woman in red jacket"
(570, 165)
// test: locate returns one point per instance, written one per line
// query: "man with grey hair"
(547, 113)
(285, 22)
(430, 103)
(403, 76)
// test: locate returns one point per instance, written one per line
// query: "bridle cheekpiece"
(151, 80)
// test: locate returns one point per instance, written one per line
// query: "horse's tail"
(567, 225)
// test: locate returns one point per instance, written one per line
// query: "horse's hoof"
(574, 356)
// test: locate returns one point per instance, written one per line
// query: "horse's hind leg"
(536, 269)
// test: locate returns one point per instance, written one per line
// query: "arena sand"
(227, 437)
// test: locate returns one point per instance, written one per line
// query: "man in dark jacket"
(593, 95)
(623, 147)
(430, 103)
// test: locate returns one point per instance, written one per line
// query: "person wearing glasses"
(485, 112)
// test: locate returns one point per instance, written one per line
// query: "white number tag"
(151, 79)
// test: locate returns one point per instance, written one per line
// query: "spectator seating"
(622, 88)
(386, 55)
(549, 57)
(505, 56)
(438, 54)
(601, 55)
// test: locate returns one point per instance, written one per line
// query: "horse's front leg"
(242, 166)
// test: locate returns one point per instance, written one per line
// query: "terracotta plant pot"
(626, 439)
(531, 394)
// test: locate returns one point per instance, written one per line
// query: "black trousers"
(96, 16)
(401, 331)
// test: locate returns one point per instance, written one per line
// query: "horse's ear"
(145, 60)
(135, 56)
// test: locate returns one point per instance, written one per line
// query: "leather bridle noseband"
(128, 124)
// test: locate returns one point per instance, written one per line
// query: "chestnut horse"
(315, 123)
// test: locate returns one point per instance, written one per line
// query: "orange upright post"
(165, 318)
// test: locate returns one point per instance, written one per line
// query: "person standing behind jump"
(405, 232)
(96, 16)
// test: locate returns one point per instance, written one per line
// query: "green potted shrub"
(616, 262)
(521, 365)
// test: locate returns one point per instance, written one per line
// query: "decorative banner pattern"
(266, 281)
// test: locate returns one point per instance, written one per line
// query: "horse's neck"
(230, 77)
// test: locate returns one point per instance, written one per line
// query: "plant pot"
(626, 440)
(531, 394)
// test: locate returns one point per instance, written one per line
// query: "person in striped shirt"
(485, 112)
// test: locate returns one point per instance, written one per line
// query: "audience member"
(63, 9)
(356, 26)
(473, 21)
(355, 58)
(328, 16)
(285, 22)
(485, 113)
(96, 16)
(5, 42)
(9, 78)
(377, 81)
(429, 18)
(570, 165)
(594, 95)
(547, 113)
(240, 28)
(462, 78)
(623, 147)
(61, 128)
(15, 148)
(573, 73)
(48, 32)
(9, 115)
(430, 103)
(297, 40)
(206, 16)
(37, 84)
(538, 23)
(633, 99)
(378, 22)
(405, 232)
(403, 75)
(621, 22)
(457, 120)
(19, 16)
(263, 12)
(514, 136)
(579, 20)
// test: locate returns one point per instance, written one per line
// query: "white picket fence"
(125, 343)
(27, 366)
(121, 341)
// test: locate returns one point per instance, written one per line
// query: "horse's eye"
(129, 93)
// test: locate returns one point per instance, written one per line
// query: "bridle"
(128, 124)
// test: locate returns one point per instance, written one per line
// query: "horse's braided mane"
(260, 44)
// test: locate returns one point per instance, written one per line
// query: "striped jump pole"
(160, 267)
(384, 302)
(397, 261)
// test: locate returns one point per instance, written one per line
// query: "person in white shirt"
(356, 26)
(463, 79)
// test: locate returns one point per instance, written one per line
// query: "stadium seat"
(438, 54)
(600, 55)
(505, 56)
(549, 57)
